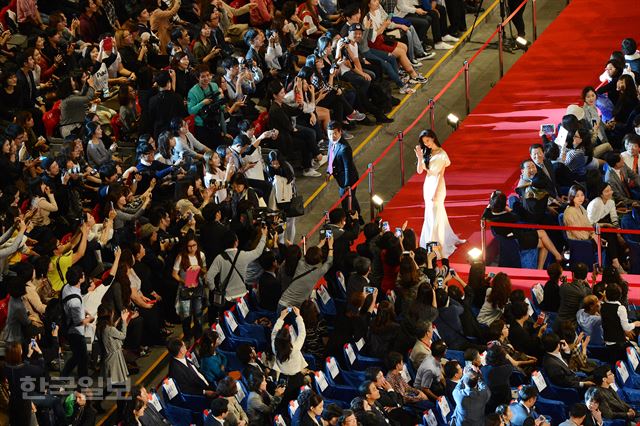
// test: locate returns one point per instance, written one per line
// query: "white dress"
(436, 223)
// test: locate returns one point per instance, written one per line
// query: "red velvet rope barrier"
(560, 228)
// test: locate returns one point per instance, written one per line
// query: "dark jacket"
(186, 378)
(522, 340)
(551, 300)
(571, 295)
(559, 372)
(344, 169)
(163, 106)
(269, 291)
(449, 324)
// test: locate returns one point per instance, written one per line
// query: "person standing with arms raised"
(433, 160)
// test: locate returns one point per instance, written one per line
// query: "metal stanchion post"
(483, 237)
(349, 199)
(372, 207)
(599, 241)
(304, 244)
(401, 146)
(467, 91)
(534, 18)
(501, 49)
(432, 113)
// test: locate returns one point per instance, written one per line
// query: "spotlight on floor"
(453, 121)
(522, 43)
(475, 255)
(378, 202)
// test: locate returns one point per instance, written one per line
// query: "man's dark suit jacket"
(164, 106)
(356, 284)
(344, 169)
(186, 378)
(550, 181)
(211, 239)
(559, 373)
(523, 341)
(269, 291)
(448, 392)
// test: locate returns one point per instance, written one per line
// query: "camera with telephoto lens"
(273, 220)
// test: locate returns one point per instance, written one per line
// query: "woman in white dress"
(433, 160)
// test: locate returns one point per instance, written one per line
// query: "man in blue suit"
(471, 396)
(523, 411)
(341, 164)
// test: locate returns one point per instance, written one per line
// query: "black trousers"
(79, 357)
(518, 18)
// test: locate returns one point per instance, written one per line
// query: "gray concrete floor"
(484, 74)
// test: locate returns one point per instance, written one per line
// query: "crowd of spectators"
(149, 157)
(584, 173)
(151, 150)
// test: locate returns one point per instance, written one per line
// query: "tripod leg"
(475, 19)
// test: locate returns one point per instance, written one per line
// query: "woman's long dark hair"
(292, 255)
(427, 152)
(126, 262)
(105, 318)
(282, 344)
(500, 290)
(184, 253)
(389, 242)
(384, 318)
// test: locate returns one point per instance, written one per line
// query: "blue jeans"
(387, 62)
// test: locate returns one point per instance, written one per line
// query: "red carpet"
(491, 142)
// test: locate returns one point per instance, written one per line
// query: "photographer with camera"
(308, 271)
(282, 177)
(345, 231)
(205, 101)
(225, 277)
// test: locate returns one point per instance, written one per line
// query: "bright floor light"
(377, 200)
(475, 253)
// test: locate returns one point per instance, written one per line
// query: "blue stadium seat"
(359, 362)
(336, 375)
(557, 410)
(512, 257)
(579, 250)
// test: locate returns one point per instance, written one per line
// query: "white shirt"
(628, 160)
(352, 48)
(597, 209)
(257, 171)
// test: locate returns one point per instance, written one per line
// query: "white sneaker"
(441, 45)
(322, 160)
(346, 135)
(450, 38)
(416, 63)
(406, 89)
(311, 173)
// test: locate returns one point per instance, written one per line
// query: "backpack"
(54, 312)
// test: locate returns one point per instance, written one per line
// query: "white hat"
(574, 109)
